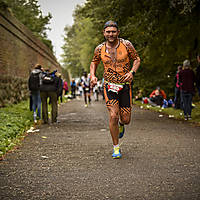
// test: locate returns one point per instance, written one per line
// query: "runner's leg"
(125, 104)
(113, 108)
(113, 123)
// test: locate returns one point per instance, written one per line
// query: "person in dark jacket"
(198, 74)
(177, 99)
(49, 89)
(187, 80)
(34, 83)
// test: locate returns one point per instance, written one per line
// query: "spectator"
(73, 88)
(34, 83)
(139, 96)
(187, 80)
(60, 87)
(157, 97)
(177, 99)
(65, 87)
(198, 73)
(49, 89)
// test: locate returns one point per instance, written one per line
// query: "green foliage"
(164, 33)
(28, 13)
(14, 120)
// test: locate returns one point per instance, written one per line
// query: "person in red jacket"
(157, 96)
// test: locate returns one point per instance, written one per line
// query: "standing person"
(65, 87)
(49, 89)
(177, 99)
(34, 82)
(187, 80)
(73, 88)
(198, 73)
(86, 88)
(60, 87)
(116, 54)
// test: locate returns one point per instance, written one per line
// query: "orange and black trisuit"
(114, 71)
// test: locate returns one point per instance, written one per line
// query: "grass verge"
(173, 113)
(14, 121)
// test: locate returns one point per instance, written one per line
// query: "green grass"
(176, 113)
(14, 121)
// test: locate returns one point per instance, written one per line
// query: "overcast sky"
(61, 11)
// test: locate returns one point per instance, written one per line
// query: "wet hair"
(110, 24)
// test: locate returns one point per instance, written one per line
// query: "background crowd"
(186, 83)
(48, 88)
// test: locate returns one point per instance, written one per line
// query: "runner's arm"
(129, 76)
(93, 78)
(93, 66)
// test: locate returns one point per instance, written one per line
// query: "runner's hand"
(128, 77)
(93, 81)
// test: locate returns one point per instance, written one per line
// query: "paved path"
(72, 160)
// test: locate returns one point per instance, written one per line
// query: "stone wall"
(20, 50)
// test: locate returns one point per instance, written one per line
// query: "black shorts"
(123, 98)
(86, 90)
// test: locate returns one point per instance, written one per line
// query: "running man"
(116, 54)
(86, 88)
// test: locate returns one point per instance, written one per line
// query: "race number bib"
(114, 87)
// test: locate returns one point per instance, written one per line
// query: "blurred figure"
(187, 80)
(73, 88)
(157, 97)
(198, 74)
(80, 89)
(177, 99)
(139, 96)
(86, 88)
(65, 87)
(96, 91)
(60, 87)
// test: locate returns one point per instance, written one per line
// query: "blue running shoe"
(116, 153)
(121, 130)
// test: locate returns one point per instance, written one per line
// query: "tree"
(164, 33)
(28, 13)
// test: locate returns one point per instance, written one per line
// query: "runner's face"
(111, 34)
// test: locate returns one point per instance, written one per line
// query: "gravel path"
(72, 160)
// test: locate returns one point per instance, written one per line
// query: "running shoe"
(121, 130)
(86, 105)
(116, 153)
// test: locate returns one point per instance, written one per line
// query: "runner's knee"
(114, 117)
(126, 120)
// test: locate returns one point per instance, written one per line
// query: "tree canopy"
(28, 13)
(164, 33)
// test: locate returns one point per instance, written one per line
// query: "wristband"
(132, 72)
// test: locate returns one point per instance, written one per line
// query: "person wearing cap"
(187, 81)
(116, 54)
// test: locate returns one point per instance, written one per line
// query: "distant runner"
(86, 88)
(116, 53)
